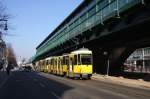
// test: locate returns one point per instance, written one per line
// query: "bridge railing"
(96, 14)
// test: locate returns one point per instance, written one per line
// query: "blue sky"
(32, 20)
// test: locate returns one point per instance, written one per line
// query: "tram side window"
(47, 62)
(75, 59)
(67, 61)
(55, 61)
(52, 62)
(61, 61)
(43, 63)
(58, 62)
(64, 63)
(79, 59)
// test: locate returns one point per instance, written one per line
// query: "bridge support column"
(117, 59)
(114, 57)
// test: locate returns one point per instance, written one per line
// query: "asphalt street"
(33, 85)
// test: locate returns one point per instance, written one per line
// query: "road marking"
(20, 80)
(42, 85)
(55, 95)
(3, 82)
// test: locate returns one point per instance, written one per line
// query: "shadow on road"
(3, 76)
(30, 85)
(54, 86)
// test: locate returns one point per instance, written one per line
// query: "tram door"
(67, 64)
(60, 66)
(71, 66)
(52, 65)
(59, 63)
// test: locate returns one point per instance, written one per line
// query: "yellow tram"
(77, 64)
(80, 64)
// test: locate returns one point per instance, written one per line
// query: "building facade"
(139, 61)
(2, 53)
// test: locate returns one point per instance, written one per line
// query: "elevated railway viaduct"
(112, 29)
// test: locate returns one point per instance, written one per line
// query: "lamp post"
(106, 54)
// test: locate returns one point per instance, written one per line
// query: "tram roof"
(82, 51)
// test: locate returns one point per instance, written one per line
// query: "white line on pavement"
(42, 85)
(55, 95)
(5, 80)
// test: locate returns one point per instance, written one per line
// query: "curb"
(108, 80)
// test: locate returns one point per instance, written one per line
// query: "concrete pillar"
(116, 56)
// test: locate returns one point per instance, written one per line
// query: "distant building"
(139, 61)
(2, 53)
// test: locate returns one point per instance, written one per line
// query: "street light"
(106, 54)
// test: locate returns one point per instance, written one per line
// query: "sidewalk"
(122, 81)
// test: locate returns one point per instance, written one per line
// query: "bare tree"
(3, 16)
(3, 26)
(11, 57)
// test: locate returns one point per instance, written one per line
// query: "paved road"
(30, 85)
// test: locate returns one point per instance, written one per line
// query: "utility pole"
(108, 63)
(108, 66)
(143, 54)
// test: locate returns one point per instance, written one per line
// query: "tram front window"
(86, 59)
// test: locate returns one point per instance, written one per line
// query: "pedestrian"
(8, 69)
